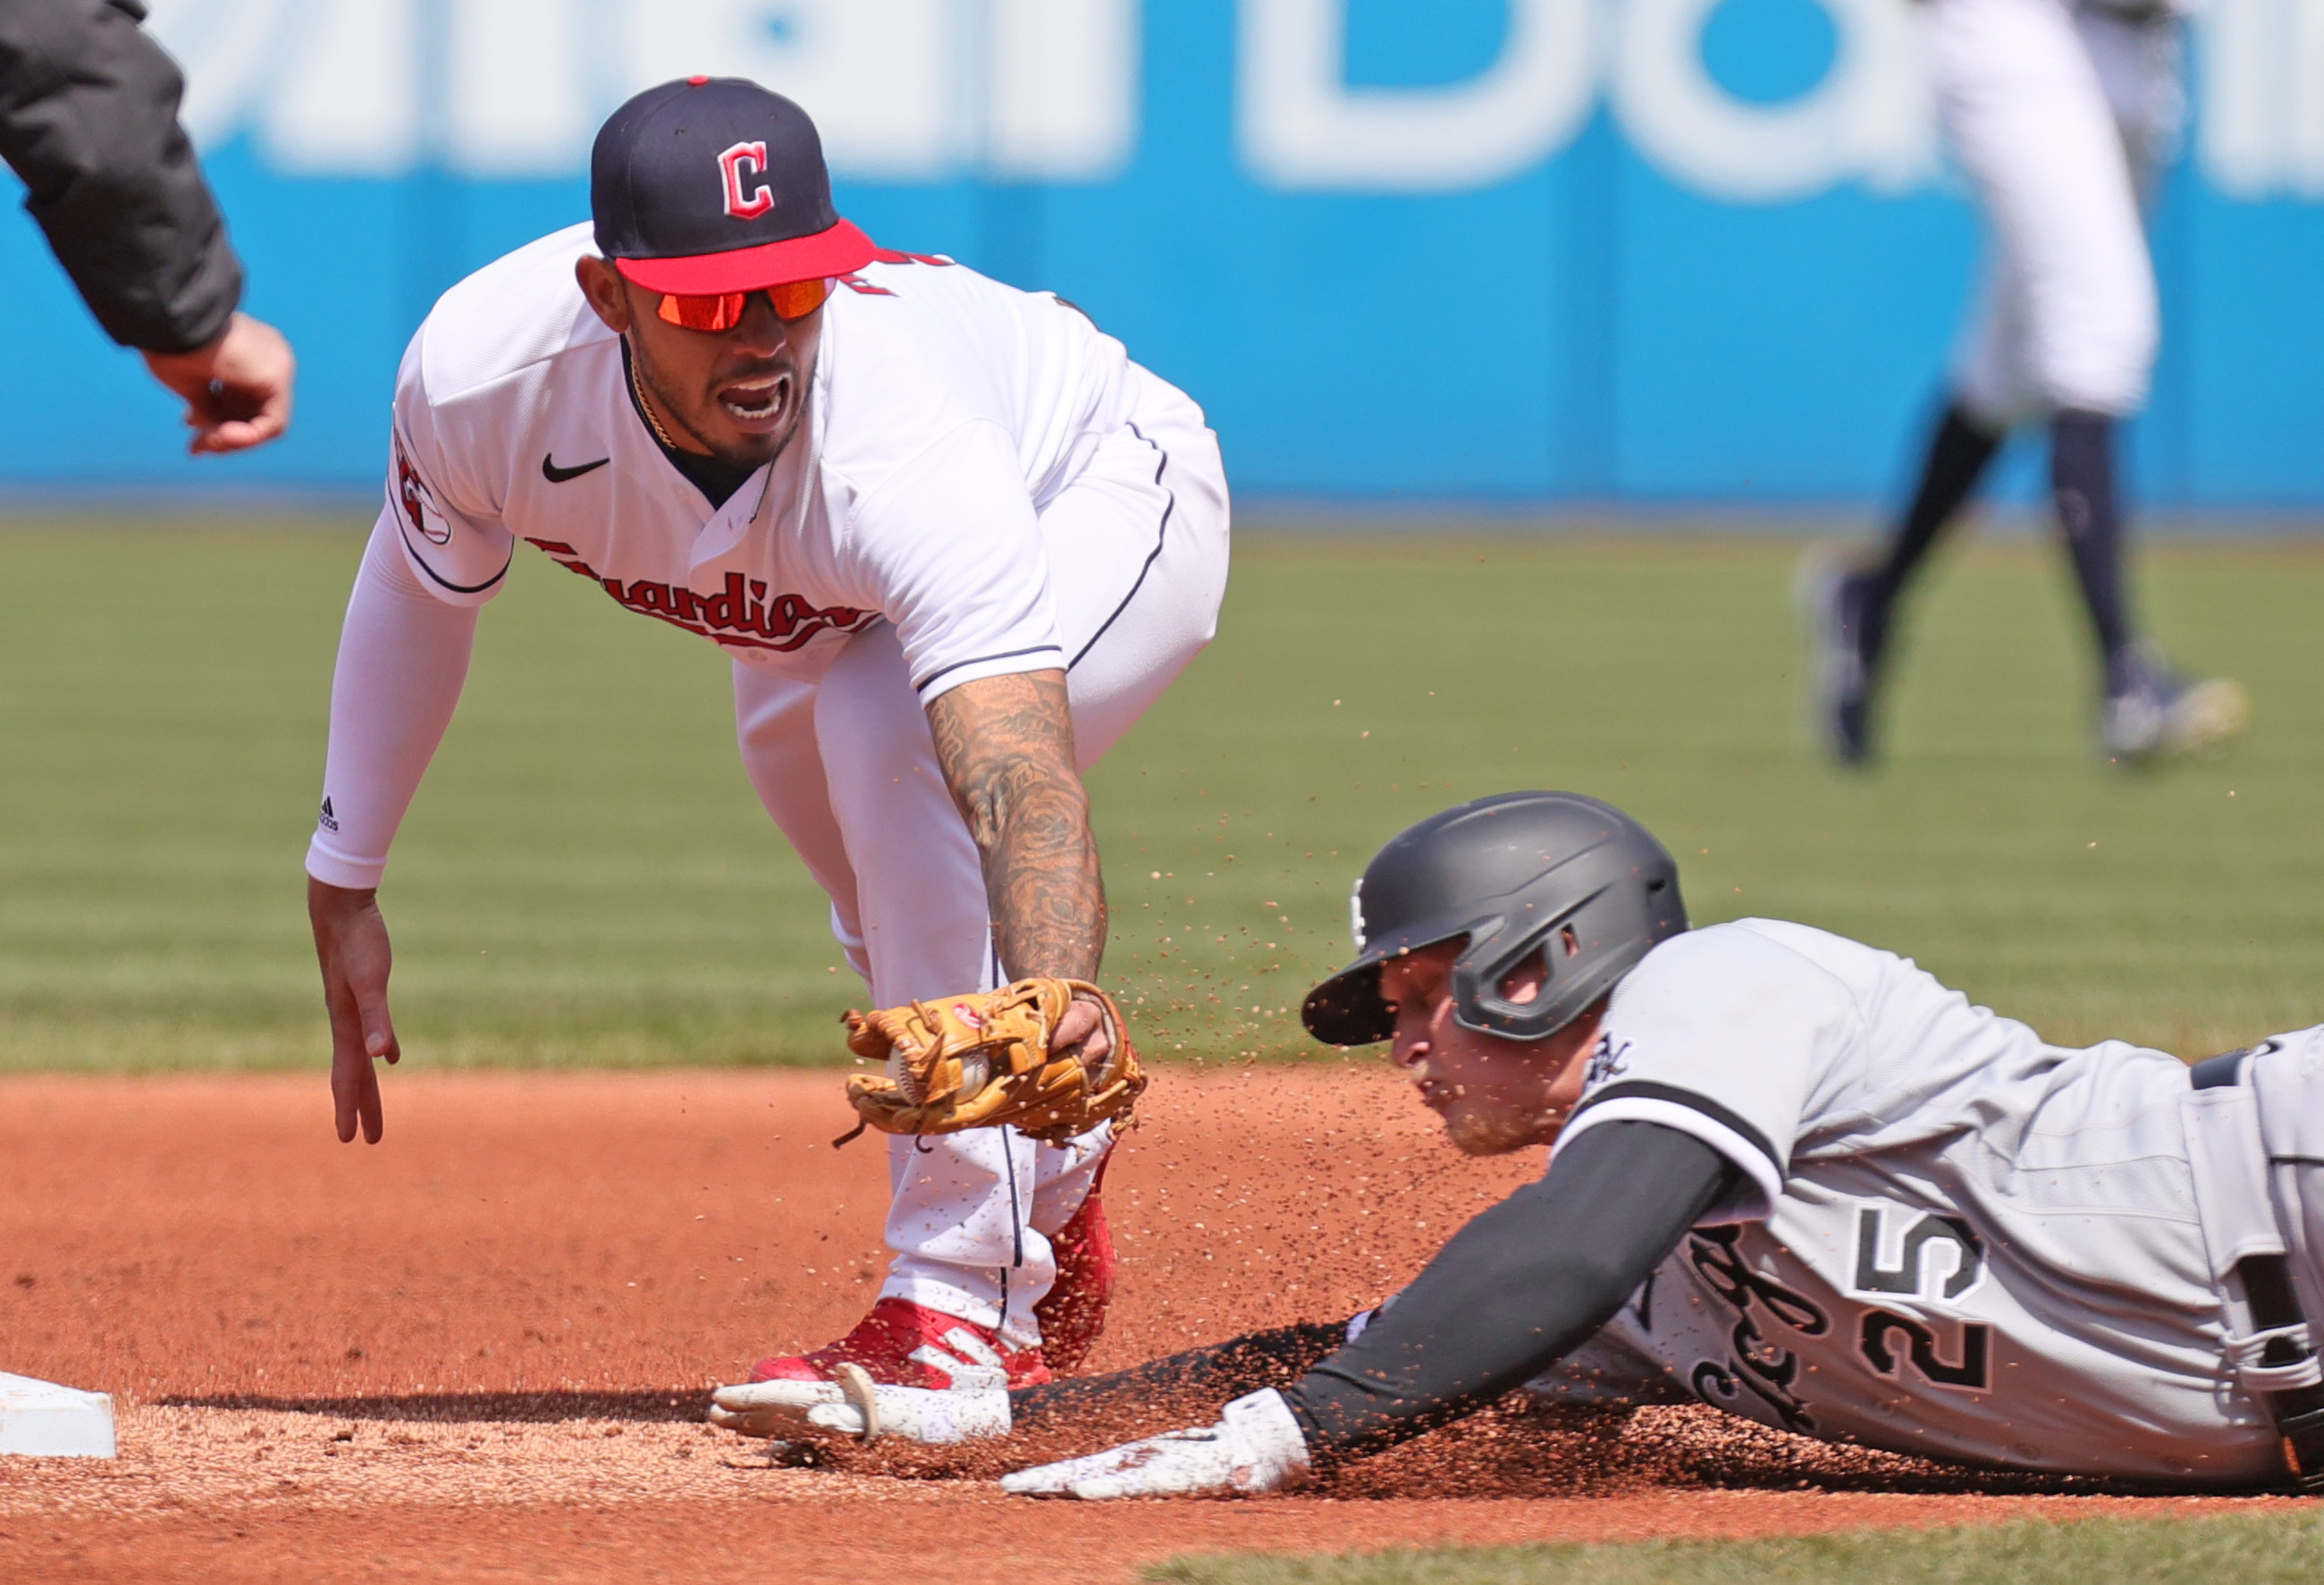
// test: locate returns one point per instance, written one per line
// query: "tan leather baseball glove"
(977, 1060)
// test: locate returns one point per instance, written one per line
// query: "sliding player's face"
(1494, 1094)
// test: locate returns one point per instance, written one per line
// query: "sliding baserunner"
(1791, 1176)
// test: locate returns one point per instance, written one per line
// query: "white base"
(46, 1421)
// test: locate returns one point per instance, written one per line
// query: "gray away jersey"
(1952, 1240)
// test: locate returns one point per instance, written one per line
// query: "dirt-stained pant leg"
(1137, 550)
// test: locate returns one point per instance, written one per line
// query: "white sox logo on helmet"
(742, 169)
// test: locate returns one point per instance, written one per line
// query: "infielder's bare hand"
(1081, 1033)
(351, 944)
(237, 388)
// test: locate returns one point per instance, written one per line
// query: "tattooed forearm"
(1006, 744)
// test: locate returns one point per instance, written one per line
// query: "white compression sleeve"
(404, 655)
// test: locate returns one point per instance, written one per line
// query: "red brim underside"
(841, 251)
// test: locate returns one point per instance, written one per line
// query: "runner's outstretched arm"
(1520, 1286)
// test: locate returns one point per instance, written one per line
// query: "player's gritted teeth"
(759, 403)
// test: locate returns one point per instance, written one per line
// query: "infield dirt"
(480, 1349)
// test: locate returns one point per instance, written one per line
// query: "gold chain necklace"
(646, 408)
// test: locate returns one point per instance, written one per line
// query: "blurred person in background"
(2063, 116)
(88, 118)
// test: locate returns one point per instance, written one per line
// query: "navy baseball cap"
(712, 185)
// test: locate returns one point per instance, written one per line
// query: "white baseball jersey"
(983, 484)
(1952, 1238)
(949, 422)
(946, 411)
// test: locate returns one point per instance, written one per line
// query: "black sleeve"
(88, 118)
(1518, 1287)
(1201, 1380)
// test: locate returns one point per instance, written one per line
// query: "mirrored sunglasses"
(722, 310)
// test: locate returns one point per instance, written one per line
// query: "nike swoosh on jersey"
(556, 475)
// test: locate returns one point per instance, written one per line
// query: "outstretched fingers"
(354, 1097)
(863, 1409)
(774, 1408)
(351, 947)
(361, 1032)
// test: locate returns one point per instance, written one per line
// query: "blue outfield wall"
(1517, 251)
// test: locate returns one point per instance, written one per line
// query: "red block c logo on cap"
(744, 170)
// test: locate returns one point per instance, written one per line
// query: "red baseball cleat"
(1071, 1313)
(904, 1344)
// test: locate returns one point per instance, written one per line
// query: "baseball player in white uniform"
(2063, 114)
(955, 543)
(1790, 1175)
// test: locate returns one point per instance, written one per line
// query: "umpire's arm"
(88, 118)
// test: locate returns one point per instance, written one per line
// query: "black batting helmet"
(1574, 876)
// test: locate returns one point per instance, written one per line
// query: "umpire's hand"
(237, 388)
(351, 944)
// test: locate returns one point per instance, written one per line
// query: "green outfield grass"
(586, 878)
(2260, 1548)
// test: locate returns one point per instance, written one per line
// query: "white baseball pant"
(2256, 1155)
(2058, 115)
(847, 767)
